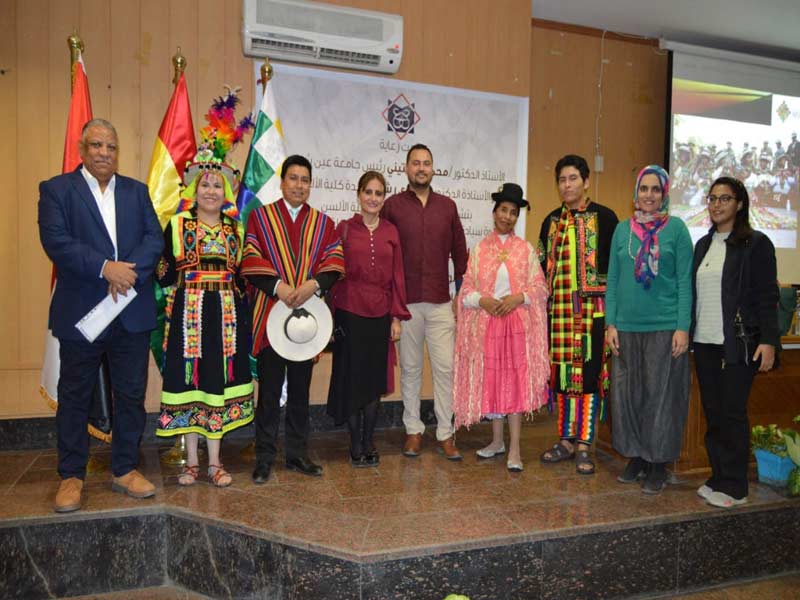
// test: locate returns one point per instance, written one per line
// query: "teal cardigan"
(667, 305)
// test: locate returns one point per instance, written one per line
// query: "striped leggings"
(577, 416)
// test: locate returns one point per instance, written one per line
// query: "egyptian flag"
(80, 112)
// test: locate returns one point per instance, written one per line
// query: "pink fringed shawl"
(525, 275)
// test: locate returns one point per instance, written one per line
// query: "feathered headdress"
(217, 139)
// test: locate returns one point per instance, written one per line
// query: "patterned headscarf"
(647, 225)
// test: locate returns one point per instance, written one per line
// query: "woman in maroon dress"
(369, 304)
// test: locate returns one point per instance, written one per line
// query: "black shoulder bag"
(747, 336)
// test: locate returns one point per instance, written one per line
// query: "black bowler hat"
(510, 192)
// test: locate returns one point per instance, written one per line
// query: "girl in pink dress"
(501, 358)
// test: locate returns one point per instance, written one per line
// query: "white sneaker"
(722, 500)
(703, 491)
(489, 452)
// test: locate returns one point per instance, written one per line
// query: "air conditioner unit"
(322, 34)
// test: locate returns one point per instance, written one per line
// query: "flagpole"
(249, 451)
(177, 455)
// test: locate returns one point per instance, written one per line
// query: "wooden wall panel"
(9, 153)
(63, 20)
(469, 44)
(565, 69)
(33, 101)
(15, 397)
(210, 67)
(183, 19)
(125, 82)
(236, 72)
(129, 45)
(95, 29)
(155, 72)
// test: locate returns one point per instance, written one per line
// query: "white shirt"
(293, 211)
(709, 292)
(502, 285)
(106, 205)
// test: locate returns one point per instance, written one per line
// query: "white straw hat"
(300, 334)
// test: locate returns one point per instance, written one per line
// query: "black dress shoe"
(372, 458)
(301, 464)
(261, 472)
(358, 460)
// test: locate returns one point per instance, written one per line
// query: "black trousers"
(271, 371)
(724, 391)
(80, 363)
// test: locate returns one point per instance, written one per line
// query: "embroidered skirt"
(208, 387)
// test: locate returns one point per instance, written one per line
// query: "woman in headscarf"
(648, 314)
(207, 387)
(734, 333)
(501, 358)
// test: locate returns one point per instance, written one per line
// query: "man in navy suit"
(102, 234)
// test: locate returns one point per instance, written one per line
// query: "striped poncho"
(293, 251)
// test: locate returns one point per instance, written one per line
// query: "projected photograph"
(751, 135)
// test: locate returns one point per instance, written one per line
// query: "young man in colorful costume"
(291, 252)
(574, 245)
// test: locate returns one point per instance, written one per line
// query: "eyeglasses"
(724, 199)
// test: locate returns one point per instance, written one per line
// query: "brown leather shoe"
(68, 497)
(448, 448)
(133, 484)
(413, 445)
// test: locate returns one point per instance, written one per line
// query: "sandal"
(189, 475)
(583, 464)
(221, 478)
(556, 454)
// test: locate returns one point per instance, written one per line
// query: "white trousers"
(434, 325)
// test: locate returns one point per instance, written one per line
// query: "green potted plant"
(792, 440)
(769, 447)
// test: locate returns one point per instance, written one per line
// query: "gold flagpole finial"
(179, 64)
(266, 74)
(75, 45)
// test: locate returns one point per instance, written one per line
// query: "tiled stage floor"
(780, 588)
(402, 508)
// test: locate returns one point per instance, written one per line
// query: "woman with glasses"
(648, 313)
(735, 333)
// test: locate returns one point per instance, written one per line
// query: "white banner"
(347, 124)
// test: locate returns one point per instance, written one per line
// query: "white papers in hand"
(96, 320)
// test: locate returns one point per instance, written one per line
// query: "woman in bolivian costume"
(208, 387)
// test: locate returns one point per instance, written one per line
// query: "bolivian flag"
(174, 146)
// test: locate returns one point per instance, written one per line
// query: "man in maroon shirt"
(430, 235)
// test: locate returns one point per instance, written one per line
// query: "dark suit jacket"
(75, 238)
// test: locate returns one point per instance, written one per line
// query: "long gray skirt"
(649, 396)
